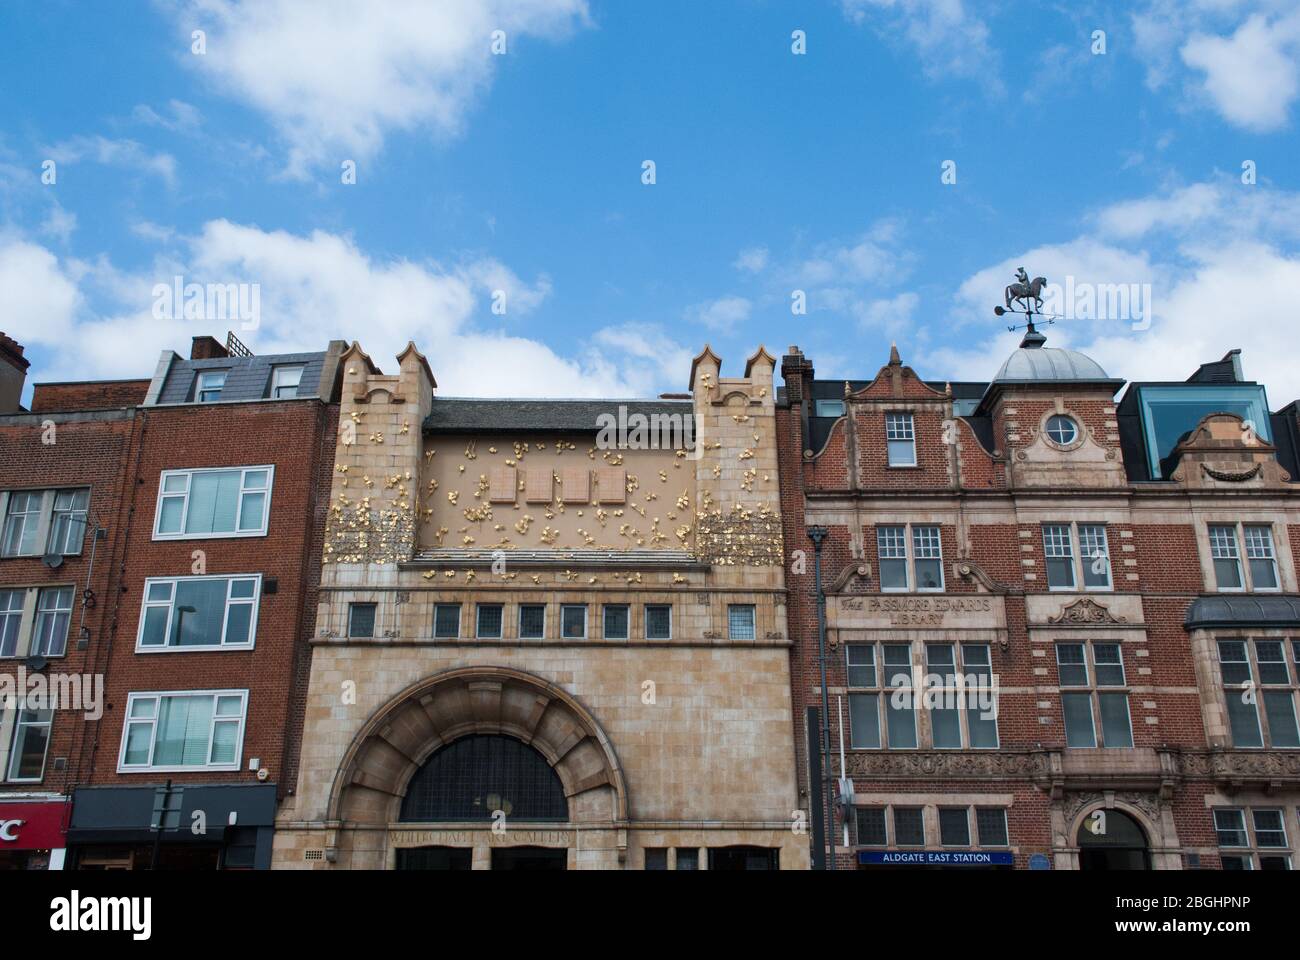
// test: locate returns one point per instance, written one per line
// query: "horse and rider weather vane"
(1028, 294)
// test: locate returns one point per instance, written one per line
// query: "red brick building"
(209, 482)
(1062, 629)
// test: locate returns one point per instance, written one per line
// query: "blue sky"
(775, 172)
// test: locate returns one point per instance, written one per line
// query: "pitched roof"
(466, 415)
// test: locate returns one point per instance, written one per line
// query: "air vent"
(60, 764)
(313, 854)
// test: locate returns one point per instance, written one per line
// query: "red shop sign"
(32, 826)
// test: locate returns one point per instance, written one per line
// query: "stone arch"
(1149, 828)
(395, 741)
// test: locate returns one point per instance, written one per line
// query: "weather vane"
(1029, 295)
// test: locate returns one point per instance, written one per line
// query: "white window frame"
(64, 549)
(1094, 690)
(585, 618)
(146, 604)
(40, 612)
(158, 696)
(200, 387)
(1244, 529)
(1074, 429)
(277, 385)
(29, 516)
(15, 754)
(753, 621)
(900, 427)
(188, 474)
(910, 557)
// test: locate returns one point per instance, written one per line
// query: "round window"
(1062, 430)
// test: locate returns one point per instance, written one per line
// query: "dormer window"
(210, 385)
(1062, 430)
(828, 408)
(285, 382)
(900, 436)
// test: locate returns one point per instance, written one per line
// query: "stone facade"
(680, 743)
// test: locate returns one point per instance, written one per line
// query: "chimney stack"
(13, 374)
(207, 348)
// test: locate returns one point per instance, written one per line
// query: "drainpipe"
(817, 535)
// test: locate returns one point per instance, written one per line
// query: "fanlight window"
(474, 777)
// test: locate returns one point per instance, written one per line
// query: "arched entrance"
(434, 765)
(1112, 840)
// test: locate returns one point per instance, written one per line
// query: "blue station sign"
(935, 858)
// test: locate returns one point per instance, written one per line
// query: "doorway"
(530, 858)
(434, 858)
(1112, 840)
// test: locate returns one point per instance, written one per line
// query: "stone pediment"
(1225, 451)
(1086, 611)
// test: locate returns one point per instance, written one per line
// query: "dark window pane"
(532, 621)
(361, 620)
(1243, 719)
(573, 622)
(871, 827)
(954, 827)
(1116, 730)
(864, 721)
(489, 621)
(991, 822)
(861, 665)
(616, 620)
(1279, 707)
(1077, 709)
(474, 777)
(656, 858)
(446, 620)
(945, 724)
(688, 858)
(909, 827)
(658, 622)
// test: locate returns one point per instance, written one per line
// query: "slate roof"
(247, 378)
(464, 415)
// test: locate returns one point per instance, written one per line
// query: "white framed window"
(740, 621)
(68, 525)
(1260, 570)
(181, 730)
(532, 621)
(209, 386)
(828, 408)
(1261, 561)
(30, 744)
(1252, 838)
(905, 560)
(1094, 702)
(11, 620)
(446, 621)
(1058, 550)
(617, 620)
(285, 382)
(1062, 430)
(658, 621)
(199, 613)
(1259, 690)
(1065, 569)
(22, 523)
(53, 616)
(213, 502)
(573, 621)
(900, 439)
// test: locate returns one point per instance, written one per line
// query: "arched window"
(476, 776)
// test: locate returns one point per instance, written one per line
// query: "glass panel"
(169, 520)
(1095, 552)
(871, 827)
(976, 663)
(1233, 664)
(656, 858)
(532, 621)
(1110, 664)
(1269, 831)
(143, 708)
(155, 627)
(229, 706)
(11, 618)
(927, 552)
(1077, 709)
(954, 827)
(1059, 552)
(184, 725)
(1279, 707)
(688, 858)
(864, 721)
(53, 616)
(138, 736)
(862, 665)
(446, 620)
(1272, 662)
(900, 440)
(22, 523)
(1259, 554)
(945, 725)
(489, 621)
(256, 479)
(1230, 827)
(198, 613)
(31, 737)
(1223, 551)
(658, 622)
(891, 547)
(1274, 863)
(828, 408)
(909, 827)
(740, 622)
(991, 824)
(1243, 718)
(1116, 730)
(213, 500)
(361, 620)
(983, 730)
(573, 622)
(1070, 665)
(224, 735)
(1062, 430)
(252, 511)
(239, 623)
(176, 483)
(616, 622)
(939, 659)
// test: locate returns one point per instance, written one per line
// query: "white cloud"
(126, 154)
(179, 117)
(890, 315)
(59, 223)
(97, 321)
(334, 77)
(873, 257)
(752, 260)
(1251, 77)
(721, 315)
(947, 38)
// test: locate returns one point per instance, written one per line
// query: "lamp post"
(817, 535)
